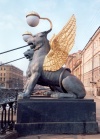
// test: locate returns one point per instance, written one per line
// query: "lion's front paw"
(23, 96)
(55, 95)
(49, 93)
(20, 96)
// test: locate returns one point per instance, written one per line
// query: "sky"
(13, 23)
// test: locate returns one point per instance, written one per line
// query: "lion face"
(37, 39)
(29, 54)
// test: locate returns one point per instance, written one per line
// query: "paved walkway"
(62, 137)
(65, 136)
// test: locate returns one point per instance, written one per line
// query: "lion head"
(29, 54)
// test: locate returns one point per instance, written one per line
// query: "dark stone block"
(55, 111)
(52, 116)
(57, 128)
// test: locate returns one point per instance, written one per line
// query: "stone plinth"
(56, 116)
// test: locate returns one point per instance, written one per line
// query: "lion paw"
(48, 93)
(23, 96)
(55, 95)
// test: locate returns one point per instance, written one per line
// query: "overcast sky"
(13, 23)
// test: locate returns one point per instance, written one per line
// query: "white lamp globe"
(32, 19)
(26, 36)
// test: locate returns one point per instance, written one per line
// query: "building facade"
(87, 65)
(91, 64)
(74, 63)
(11, 77)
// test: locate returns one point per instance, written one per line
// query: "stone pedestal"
(56, 116)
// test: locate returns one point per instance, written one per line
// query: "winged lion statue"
(46, 64)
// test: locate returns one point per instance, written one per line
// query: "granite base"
(56, 116)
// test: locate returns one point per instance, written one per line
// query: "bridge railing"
(7, 111)
(8, 107)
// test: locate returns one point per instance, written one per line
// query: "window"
(99, 59)
(99, 41)
(94, 45)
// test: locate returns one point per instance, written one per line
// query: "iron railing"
(7, 117)
(8, 108)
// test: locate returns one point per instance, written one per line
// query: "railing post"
(3, 119)
(10, 116)
(16, 96)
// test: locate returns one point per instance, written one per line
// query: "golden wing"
(61, 45)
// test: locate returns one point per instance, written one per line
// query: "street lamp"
(26, 36)
(32, 19)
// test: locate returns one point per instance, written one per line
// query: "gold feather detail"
(60, 44)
